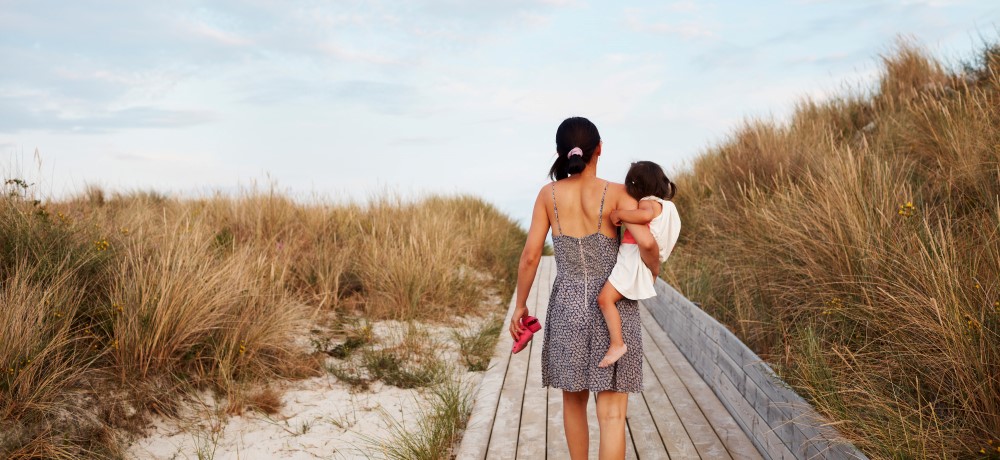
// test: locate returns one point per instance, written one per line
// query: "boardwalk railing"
(704, 396)
(779, 422)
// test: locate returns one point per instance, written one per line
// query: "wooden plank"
(503, 440)
(630, 453)
(647, 440)
(665, 420)
(477, 433)
(702, 434)
(531, 435)
(733, 437)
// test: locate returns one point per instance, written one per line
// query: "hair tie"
(575, 151)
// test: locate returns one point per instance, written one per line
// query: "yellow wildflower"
(906, 210)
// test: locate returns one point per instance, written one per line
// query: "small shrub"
(477, 348)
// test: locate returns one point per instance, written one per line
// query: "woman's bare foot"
(614, 352)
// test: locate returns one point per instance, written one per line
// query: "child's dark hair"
(646, 178)
(572, 133)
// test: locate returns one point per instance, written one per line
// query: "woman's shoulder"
(615, 187)
(549, 187)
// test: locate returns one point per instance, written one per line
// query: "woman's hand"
(615, 220)
(515, 321)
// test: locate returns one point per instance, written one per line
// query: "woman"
(576, 337)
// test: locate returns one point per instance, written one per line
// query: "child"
(631, 278)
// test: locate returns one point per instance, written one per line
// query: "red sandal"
(531, 325)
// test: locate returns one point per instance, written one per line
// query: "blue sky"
(349, 98)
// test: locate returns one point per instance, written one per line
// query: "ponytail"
(576, 141)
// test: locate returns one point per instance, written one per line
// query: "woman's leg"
(607, 299)
(611, 410)
(575, 421)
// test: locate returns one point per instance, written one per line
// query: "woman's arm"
(530, 257)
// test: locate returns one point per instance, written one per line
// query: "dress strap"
(555, 209)
(600, 217)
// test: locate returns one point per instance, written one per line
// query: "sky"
(347, 99)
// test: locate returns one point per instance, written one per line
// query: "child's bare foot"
(614, 353)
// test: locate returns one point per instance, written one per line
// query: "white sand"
(320, 418)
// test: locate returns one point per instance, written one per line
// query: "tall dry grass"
(115, 306)
(856, 248)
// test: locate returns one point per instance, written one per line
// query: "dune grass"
(856, 248)
(476, 348)
(434, 434)
(115, 306)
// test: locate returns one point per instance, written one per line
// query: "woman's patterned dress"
(576, 336)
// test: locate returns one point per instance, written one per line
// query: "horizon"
(435, 97)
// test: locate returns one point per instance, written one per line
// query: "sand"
(321, 417)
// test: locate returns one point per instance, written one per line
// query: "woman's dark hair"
(646, 178)
(574, 132)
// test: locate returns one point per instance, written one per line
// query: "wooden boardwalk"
(676, 417)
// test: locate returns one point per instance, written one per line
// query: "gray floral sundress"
(576, 335)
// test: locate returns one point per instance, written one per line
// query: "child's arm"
(649, 250)
(642, 215)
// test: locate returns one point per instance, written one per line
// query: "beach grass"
(856, 248)
(117, 305)
(434, 434)
(477, 347)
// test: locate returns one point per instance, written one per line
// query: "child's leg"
(607, 299)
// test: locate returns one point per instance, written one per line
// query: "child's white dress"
(630, 276)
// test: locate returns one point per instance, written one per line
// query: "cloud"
(727, 55)
(849, 20)
(689, 29)
(368, 57)
(16, 115)
(829, 60)
(378, 96)
(684, 6)
(418, 141)
(72, 61)
(161, 158)
(219, 36)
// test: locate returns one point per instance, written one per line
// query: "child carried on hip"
(655, 219)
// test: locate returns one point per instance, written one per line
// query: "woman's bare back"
(579, 203)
